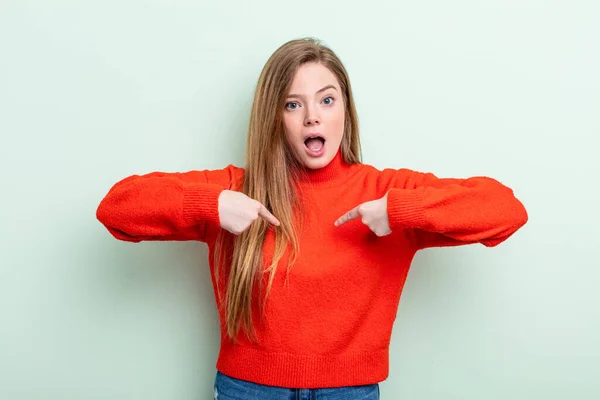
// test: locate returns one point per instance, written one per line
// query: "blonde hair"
(270, 172)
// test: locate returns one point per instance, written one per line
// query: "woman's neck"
(335, 172)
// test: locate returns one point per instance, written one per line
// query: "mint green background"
(93, 92)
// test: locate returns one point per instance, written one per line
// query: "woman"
(308, 247)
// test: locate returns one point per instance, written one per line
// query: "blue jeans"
(228, 388)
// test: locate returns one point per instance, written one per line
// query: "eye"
(288, 106)
(331, 99)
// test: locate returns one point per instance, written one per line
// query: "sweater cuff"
(405, 208)
(201, 204)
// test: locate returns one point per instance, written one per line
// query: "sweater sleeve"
(165, 206)
(452, 211)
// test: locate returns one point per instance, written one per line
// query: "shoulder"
(397, 177)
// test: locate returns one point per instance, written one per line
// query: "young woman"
(309, 248)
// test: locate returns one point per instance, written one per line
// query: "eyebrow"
(318, 91)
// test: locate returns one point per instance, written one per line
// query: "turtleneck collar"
(333, 173)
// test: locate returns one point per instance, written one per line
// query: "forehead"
(311, 77)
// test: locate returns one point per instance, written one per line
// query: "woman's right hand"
(238, 211)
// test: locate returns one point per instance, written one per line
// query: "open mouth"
(314, 143)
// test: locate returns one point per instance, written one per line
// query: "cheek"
(292, 125)
(337, 121)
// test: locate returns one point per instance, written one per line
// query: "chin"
(316, 163)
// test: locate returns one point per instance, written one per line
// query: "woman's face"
(314, 115)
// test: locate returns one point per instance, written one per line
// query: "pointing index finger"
(350, 215)
(266, 214)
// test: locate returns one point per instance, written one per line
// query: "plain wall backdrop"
(91, 92)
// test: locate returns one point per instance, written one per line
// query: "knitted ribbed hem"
(405, 208)
(303, 371)
(201, 203)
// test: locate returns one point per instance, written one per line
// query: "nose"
(311, 117)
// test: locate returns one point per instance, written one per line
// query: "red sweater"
(331, 326)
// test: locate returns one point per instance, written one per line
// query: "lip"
(313, 135)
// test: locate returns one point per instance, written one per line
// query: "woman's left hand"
(374, 214)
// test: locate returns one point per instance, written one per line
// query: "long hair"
(270, 172)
